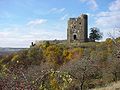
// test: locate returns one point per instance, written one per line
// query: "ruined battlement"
(77, 30)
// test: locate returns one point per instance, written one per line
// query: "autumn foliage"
(61, 67)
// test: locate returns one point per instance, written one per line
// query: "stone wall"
(77, 30)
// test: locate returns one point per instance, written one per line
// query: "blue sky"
(24, 21)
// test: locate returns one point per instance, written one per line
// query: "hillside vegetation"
(112, 86)
(62, 67)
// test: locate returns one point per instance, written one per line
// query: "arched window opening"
(75, 37)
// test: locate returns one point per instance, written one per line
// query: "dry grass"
(113, 86)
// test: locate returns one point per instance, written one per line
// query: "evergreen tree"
(95, 34)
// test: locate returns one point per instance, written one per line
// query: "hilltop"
(62, 66)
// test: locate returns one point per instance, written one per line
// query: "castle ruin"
(77, 30)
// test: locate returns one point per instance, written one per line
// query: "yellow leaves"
(57, 81)
(58, 54)
(54, 84)
(67, 55)
(109, 41)
(75, 54)
(16, 57)
(79, 51)
(53, 53)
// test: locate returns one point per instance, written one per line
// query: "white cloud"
(22, 37)
(48, 35)
(110, 19)
(56, 10)
(115, 6)
(37, 22)
(11, 38)
(92, 3)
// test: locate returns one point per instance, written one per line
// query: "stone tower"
(77, 30)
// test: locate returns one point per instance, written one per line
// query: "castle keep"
(77, 30)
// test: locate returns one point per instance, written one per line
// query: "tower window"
(74, 26)
(75, 37)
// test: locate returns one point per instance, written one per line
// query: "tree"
(95, 34)
(35, 55)
(53, 54)
(83, 72)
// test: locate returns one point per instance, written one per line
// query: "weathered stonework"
(77, 30)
